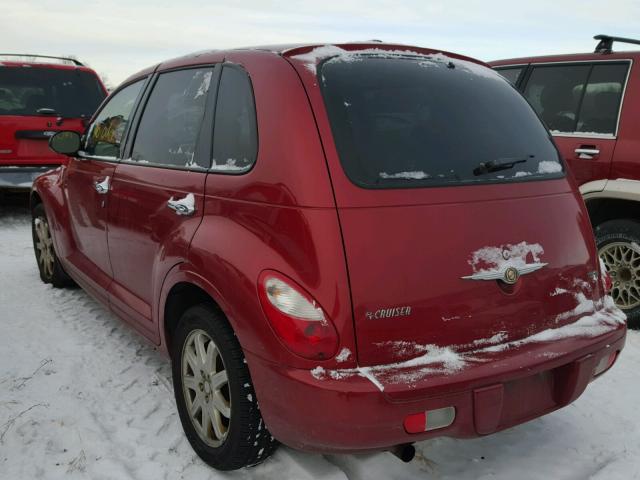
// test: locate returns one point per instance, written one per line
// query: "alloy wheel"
(44, 246)
(205, 387)
(623, 263)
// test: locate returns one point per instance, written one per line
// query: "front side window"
(105, 135)
(511, 73)
(580, 98)
(235, 138)
(171, 122)
(431, 121)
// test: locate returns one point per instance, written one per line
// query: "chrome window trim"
(607, 136)
(85, 155)
(601, 136)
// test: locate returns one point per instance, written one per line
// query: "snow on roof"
(310, 59)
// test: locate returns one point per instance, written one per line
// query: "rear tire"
(618, 244)
(51, 270)
(214, 393)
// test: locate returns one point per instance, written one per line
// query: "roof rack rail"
(28, 55)
(605, 45)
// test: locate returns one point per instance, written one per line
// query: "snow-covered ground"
(83, 396)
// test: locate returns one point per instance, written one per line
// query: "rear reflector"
(429, 420)
(605, 363)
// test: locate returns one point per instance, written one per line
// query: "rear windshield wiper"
(499, 164)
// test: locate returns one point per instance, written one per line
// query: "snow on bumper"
(598, 319)
(491, 388)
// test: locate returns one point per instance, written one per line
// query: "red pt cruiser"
(336, 245)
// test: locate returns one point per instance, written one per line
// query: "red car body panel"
(296, 212)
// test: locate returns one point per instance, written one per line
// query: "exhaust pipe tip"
(404, 452)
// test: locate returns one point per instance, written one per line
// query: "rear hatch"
(36, 101)
(445, 178)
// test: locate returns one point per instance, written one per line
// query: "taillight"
(296, 317)
(607, 282)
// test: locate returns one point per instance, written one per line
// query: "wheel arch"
(34, 199)
(612, 200)
(603, 209)
(181, 290)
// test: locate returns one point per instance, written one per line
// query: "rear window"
(68, 93)
(432, 121)
(578, 98)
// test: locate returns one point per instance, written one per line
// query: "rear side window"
(511, 73)
(104, 137)
(601, 102)
(235, 138)
(556, 92)
(68, 93)
(581, 98)
(431, 121)
(172, 119)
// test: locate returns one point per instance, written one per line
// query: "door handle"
(183, 206)
(587, 153)
(102, 187)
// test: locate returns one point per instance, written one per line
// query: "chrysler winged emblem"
(508, 274)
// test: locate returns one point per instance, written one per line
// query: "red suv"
(40, 96)
(336, 246)
(591, 103)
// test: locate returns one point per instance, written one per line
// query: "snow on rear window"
(407, 175)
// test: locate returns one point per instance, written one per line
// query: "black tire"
(627, 232)
(247, 441)
(52, 272)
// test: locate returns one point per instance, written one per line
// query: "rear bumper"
(349, 413)
(21, 178)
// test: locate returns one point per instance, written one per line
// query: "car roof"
(571, 57)
(291, 50)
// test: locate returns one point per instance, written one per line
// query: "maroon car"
(336, 245)
(39, 96)
(591, 104)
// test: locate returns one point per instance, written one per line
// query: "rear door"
(580, 103)
(88, 181)
(36, 101)
(157, 192)
(444, 177)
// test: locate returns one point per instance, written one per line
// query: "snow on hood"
(598, 318)
(497, 258)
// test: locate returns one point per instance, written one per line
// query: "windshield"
(426, 121)
(63, 92)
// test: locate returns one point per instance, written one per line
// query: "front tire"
(51, 270)
(618, 244)
(214, 393)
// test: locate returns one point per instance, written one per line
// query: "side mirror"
(65, 143)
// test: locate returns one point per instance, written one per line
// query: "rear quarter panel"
(626, 156)
(280, 215)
